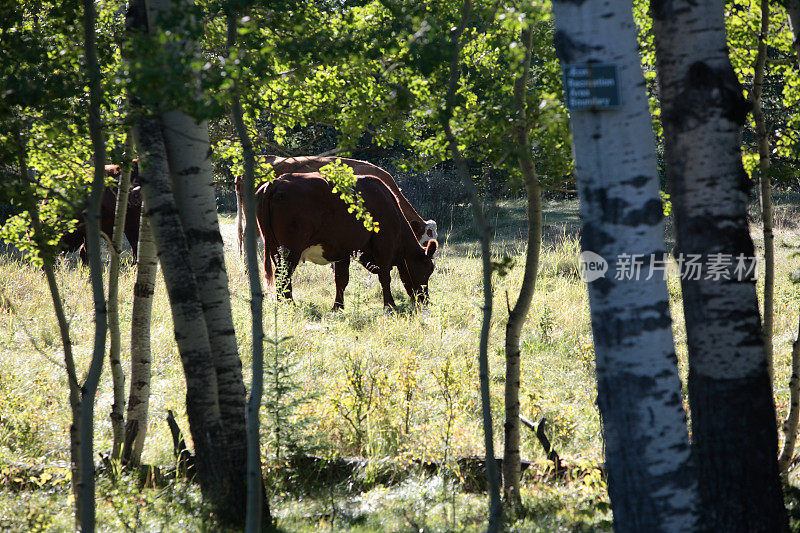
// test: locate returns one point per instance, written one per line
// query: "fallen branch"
(185, 459)
(552, 455)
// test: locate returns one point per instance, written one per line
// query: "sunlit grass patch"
(361, 383)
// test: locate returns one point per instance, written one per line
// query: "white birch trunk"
(703, 110)
(188, 154)
(651, 477)
(789, 427)
(141, 355)
(117, 374)
(765, 187)
(202, 404)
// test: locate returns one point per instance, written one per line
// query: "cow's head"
(417, 272)
(430, 233)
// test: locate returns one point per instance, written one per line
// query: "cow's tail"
(268, 235)
(269, 269)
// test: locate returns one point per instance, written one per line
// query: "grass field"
(395, 390)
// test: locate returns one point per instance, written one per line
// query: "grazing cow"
(75, 241)
(425, 230)
(301, 219)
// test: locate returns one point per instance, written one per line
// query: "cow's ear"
(431, 248)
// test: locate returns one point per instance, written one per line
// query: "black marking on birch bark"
(594, 239)
(735, 105)
(214, 266)
(233, 366)
(659, 9)
(189, 171)
(611, 331)
(650, 214)
(706, 90)
(746, 318)
(183, 293)
(230, 400)
(567, 49)
(165, 209)
(615, 210)
(230, 372)
(144, 290)
(637, 181)
(602, 286)
(195, 236)
(727, 233)
(667, 373)
(665, 9)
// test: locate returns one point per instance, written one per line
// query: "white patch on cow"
(314, 254)
(431, 232)
(431, 228)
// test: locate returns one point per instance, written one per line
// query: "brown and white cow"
(301, 219)
(75, 241)
(425, 230)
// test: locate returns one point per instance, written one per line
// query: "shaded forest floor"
(395, 390)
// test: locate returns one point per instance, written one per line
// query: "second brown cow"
(425, 230)
(301, 219)
(75, 241)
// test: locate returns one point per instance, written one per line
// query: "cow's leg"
(385, 278)
(378, 265)
(286, 262)
(239, 225)
(83, 253)
(341, 273)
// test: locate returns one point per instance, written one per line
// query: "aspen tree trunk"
(481, 225)
(651, 476)
(734, 440)
(517, 315)
(789, 427)
(188, 153)
(202, 404)
(89, 389)
(793, 9)
(257, 506)
(765, 187)
(63, 329)
(72, 377)
(117, 374)
(189, 245)
(141, 355)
